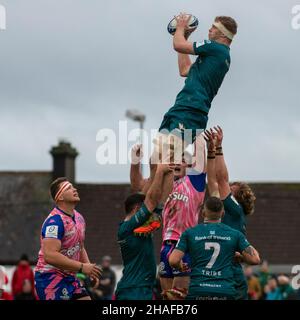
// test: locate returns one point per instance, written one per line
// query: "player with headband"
(62, 252)
(189, 115)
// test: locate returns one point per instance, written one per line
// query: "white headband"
(63, 188)
(219, 25)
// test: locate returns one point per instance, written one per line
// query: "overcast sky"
(69, 68)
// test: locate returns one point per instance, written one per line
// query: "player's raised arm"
(180, 43)
(221, 168)
(147, 182)
(154, 194)
(184, 60)
(184, 64)
(136, 178)
(211, 170)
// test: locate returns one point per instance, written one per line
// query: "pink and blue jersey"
(53, 283)
(181, 210)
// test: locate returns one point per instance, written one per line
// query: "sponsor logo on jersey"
(212, 237)
(178, 196)
(71, 251)
(211, 273)
(51, 232)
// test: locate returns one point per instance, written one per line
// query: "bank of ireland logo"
(2, 18)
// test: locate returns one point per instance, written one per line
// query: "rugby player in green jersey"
(189, 115)
(137, 252)
(238, 199)
(212, 246)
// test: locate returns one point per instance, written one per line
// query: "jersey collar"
(67, 214)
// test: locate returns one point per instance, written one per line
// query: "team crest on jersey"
(51, 232)
(201, 43)
(65, 295)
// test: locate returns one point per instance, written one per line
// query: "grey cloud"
(69, 68)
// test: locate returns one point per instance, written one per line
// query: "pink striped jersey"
(181, 210)
(69, 230)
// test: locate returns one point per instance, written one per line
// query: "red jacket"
(21, 273)
(5, 296)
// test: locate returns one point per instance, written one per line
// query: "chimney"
(64, 161)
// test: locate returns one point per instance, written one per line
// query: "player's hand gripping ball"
(192, 24)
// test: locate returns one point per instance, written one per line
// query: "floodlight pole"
(137, 116)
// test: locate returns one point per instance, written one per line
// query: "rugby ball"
(193, 24)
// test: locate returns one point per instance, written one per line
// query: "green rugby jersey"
(234, 215)
(235, 218)
(205, 75)
(212, 247)
(137, 253)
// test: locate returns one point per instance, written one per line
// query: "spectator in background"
(3, 282)
(23, 272)
(107, 280)
(254, 287)
(285, 289)
(264, 274)
(5, 295)
(271, 290)
(27, 291)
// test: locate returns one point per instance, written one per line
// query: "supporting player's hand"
(92, 270)
(136, 153)
(219, 135)
(210, 138)
(165, 167)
